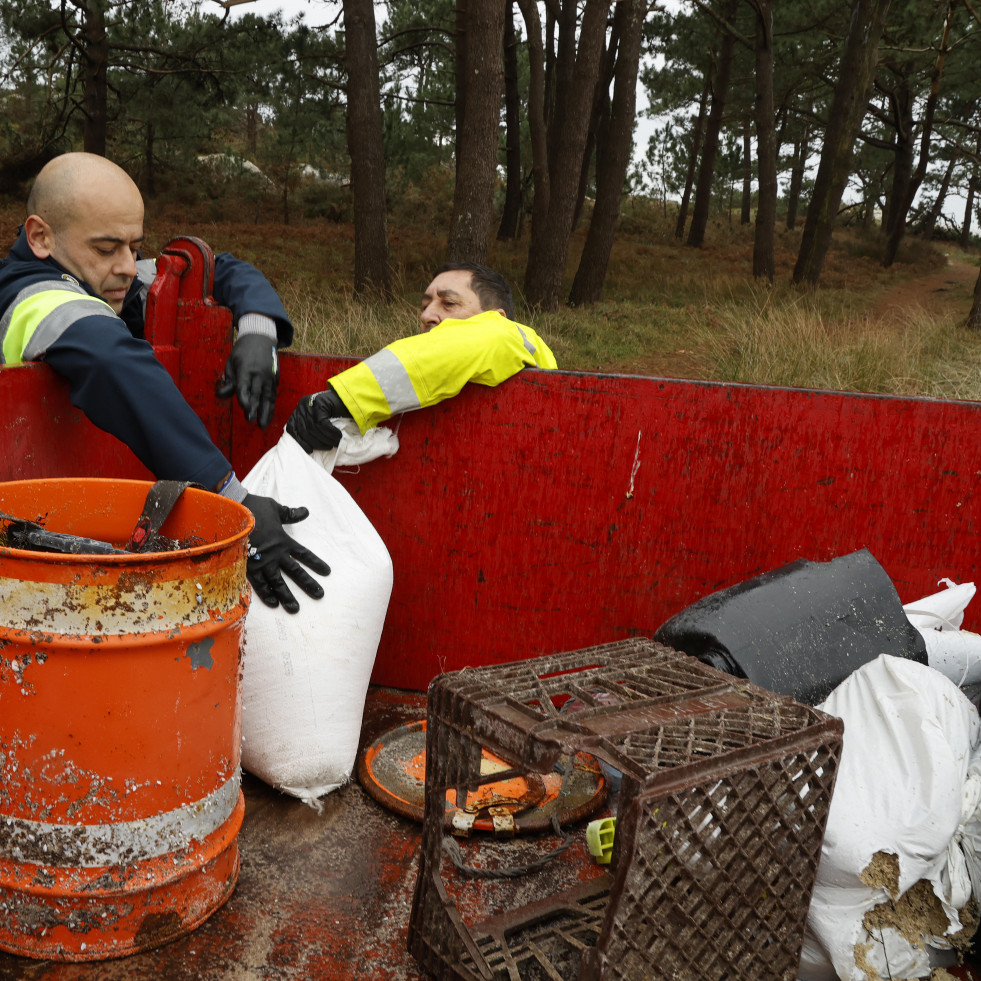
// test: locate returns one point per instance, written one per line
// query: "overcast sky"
(316, 11)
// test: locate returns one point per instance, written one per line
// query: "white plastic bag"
(907, 786)
(356, 448)
(955, 653)
(306, 675)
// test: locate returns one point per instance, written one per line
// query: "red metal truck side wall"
(562, 510)
(43, 435)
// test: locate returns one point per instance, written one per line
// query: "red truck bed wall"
(562, 510)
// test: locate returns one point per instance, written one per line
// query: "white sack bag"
(955, 653)
(908, 786)
(305, 675)
(356, 447)
(943, 610)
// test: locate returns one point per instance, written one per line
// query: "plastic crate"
(720, 819)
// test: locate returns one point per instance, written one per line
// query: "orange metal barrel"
(120, 722)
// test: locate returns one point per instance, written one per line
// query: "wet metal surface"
(320, 896)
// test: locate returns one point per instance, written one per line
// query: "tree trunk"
(974, 317)
(563, 73)
(372, 271)
(252, 128)
(887, 200)
(599, 120)
(550, 239)
(149, 163)
(537, 123)
(901, 102)
(858, 63)
(905, 202)
(95, 59)
(477, 142)
(746, 204)
(972, 189)
(868, 207)
(710, 146)
(696, 149)
(511, 216)
(766, 145)
(801, 151)
(460, 72)
(613, 157)
(936, 209)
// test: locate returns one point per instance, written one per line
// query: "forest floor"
(942, 293)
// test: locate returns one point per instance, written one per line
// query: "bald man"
(72, 294)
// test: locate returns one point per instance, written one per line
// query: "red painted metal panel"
(43, 435)
(183, 321)
(562, 510)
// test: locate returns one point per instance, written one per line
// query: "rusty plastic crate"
(720, 819)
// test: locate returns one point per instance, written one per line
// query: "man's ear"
(40, 238)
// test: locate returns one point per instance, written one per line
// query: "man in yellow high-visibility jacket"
(470, 335)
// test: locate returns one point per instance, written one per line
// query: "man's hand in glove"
(272, 552)
(252, 373)
(310, 423)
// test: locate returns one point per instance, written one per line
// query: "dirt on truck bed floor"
(321, 897)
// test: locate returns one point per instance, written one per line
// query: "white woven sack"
(306, 675)
(908, 785)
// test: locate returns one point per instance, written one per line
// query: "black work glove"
(272, 552)
(252, 373)
(310, 423)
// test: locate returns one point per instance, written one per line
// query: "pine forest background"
(801, 206)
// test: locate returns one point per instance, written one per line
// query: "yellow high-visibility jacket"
(418, 371)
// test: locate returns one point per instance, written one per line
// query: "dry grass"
(668, 309)
(782, 337)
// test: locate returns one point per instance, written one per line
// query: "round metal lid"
(392, 769)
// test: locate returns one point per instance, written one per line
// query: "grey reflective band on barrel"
(120, 843)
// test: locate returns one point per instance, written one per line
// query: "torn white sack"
(906, 778)
(953, 652)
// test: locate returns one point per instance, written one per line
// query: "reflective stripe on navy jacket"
(113, 376)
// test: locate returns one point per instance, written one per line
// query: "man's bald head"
(67, 181)
(86, 214)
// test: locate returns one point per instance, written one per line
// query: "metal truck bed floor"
(320, 896)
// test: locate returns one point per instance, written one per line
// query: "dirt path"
(941, 292)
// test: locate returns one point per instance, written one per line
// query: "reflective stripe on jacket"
(41, 313)
(422, 370)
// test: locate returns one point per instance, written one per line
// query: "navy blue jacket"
(115, 379)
